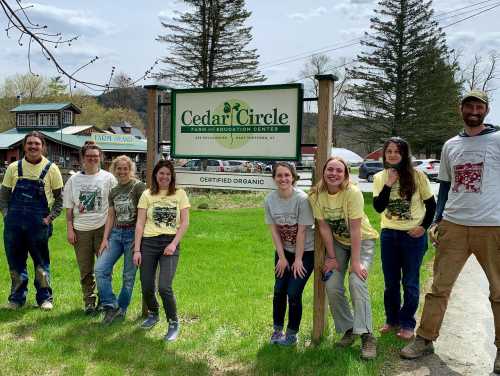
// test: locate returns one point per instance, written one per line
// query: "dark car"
(369, 168)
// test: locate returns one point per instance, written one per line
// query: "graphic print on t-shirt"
(165, 214)
(468, 172)
(398, 209)
(124, 208)
(287, 227)
(335, 218)
(90, 199)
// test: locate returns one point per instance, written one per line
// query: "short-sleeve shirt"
(401, 213)
(287, 214)
(123, 198)
(472, 166)
(87, 196)
(338, 209)
(52, 181)
(163, 213)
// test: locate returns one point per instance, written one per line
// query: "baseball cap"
(476, 94)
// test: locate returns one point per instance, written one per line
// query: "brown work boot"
(347, 339)
(417, 348)
(368, 346)
(496, 366)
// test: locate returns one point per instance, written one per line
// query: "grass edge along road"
(224, 289)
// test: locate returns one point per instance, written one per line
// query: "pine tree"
(399, 74)
(208, 46)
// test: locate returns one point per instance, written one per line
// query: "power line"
(471, 16)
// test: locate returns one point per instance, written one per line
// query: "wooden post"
(324, 142)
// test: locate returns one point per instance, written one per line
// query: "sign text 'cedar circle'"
(258, 122)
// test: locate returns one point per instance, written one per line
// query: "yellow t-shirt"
(163, 213)
(400, 213)
(53, 180)
(338, 209)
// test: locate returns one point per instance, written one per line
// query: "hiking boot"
(496, 366)
(417, 348)
(151, 321)
(276, 337)
(172, 331)
(13, 306)
(90, 310)
(368, 346)
(46, 306)
(347, 339)
(288, 340)
(110, 314)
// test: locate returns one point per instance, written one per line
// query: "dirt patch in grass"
(217, 200)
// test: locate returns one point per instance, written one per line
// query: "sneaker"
(417, 348)
(46, 306)
(277, 337)
(496, 366)
(172, 331)
(405, 334)
(13, 306)
(387, 328)
(90, 310)
(110, 314)
(151, 321)
(288, 340)
(347, 339)
(368, 346)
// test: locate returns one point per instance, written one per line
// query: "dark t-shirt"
(123, 198)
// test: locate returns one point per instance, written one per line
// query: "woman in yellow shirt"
(403, 195)
(338, 205)
(162, 221)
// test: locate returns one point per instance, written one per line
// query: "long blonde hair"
(321, 186)
(127, 160)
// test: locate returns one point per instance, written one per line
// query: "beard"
(474, 121)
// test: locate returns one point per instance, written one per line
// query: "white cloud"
(170, 10)
(474, 42)
(311, 13)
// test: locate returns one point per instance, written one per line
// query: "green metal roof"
(9, 140)
(35, 107)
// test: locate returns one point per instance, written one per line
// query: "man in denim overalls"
(29, 187)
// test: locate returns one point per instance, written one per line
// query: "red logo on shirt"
(468, 177)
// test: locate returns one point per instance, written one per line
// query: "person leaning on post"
(30, 199)
(403, 195)
(86, 202)
(162, 221)
(467, 220)
(118, 239)
(289, 217)
(338, 205)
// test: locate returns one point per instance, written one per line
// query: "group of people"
(108, 214)
(113, 214)
(464, 221)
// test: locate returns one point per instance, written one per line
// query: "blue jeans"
(401, 260)
(121, 242)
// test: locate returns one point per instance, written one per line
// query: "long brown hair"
(321, 186)
(155, 188)
(407, 185)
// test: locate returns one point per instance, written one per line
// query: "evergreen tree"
(404, 78)
(208, 46)
(56, 86)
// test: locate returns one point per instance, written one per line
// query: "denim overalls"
(25, 232)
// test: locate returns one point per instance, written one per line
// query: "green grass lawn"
(224, 289)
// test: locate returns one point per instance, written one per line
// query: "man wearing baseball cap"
(467, 220)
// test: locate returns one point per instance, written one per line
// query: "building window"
(31, 119)
(48, 119)
(21, 120)
(67, 117)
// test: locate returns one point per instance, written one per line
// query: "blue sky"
(123, 34)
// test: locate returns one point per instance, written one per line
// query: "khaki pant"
(86, 247)
(456, 244)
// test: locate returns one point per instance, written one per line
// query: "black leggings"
(152, 255)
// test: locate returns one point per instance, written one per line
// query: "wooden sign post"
(324, 142)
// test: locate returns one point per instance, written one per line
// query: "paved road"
(465, 345)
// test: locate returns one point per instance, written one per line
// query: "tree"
(56, 87)
(208, 46)
(481, 72)
(393, 81)
(24, 86)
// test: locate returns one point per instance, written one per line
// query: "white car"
(429, 166)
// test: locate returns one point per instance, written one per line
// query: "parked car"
(240, 166)
(369, 168)
(429, 166)
(213, 165)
